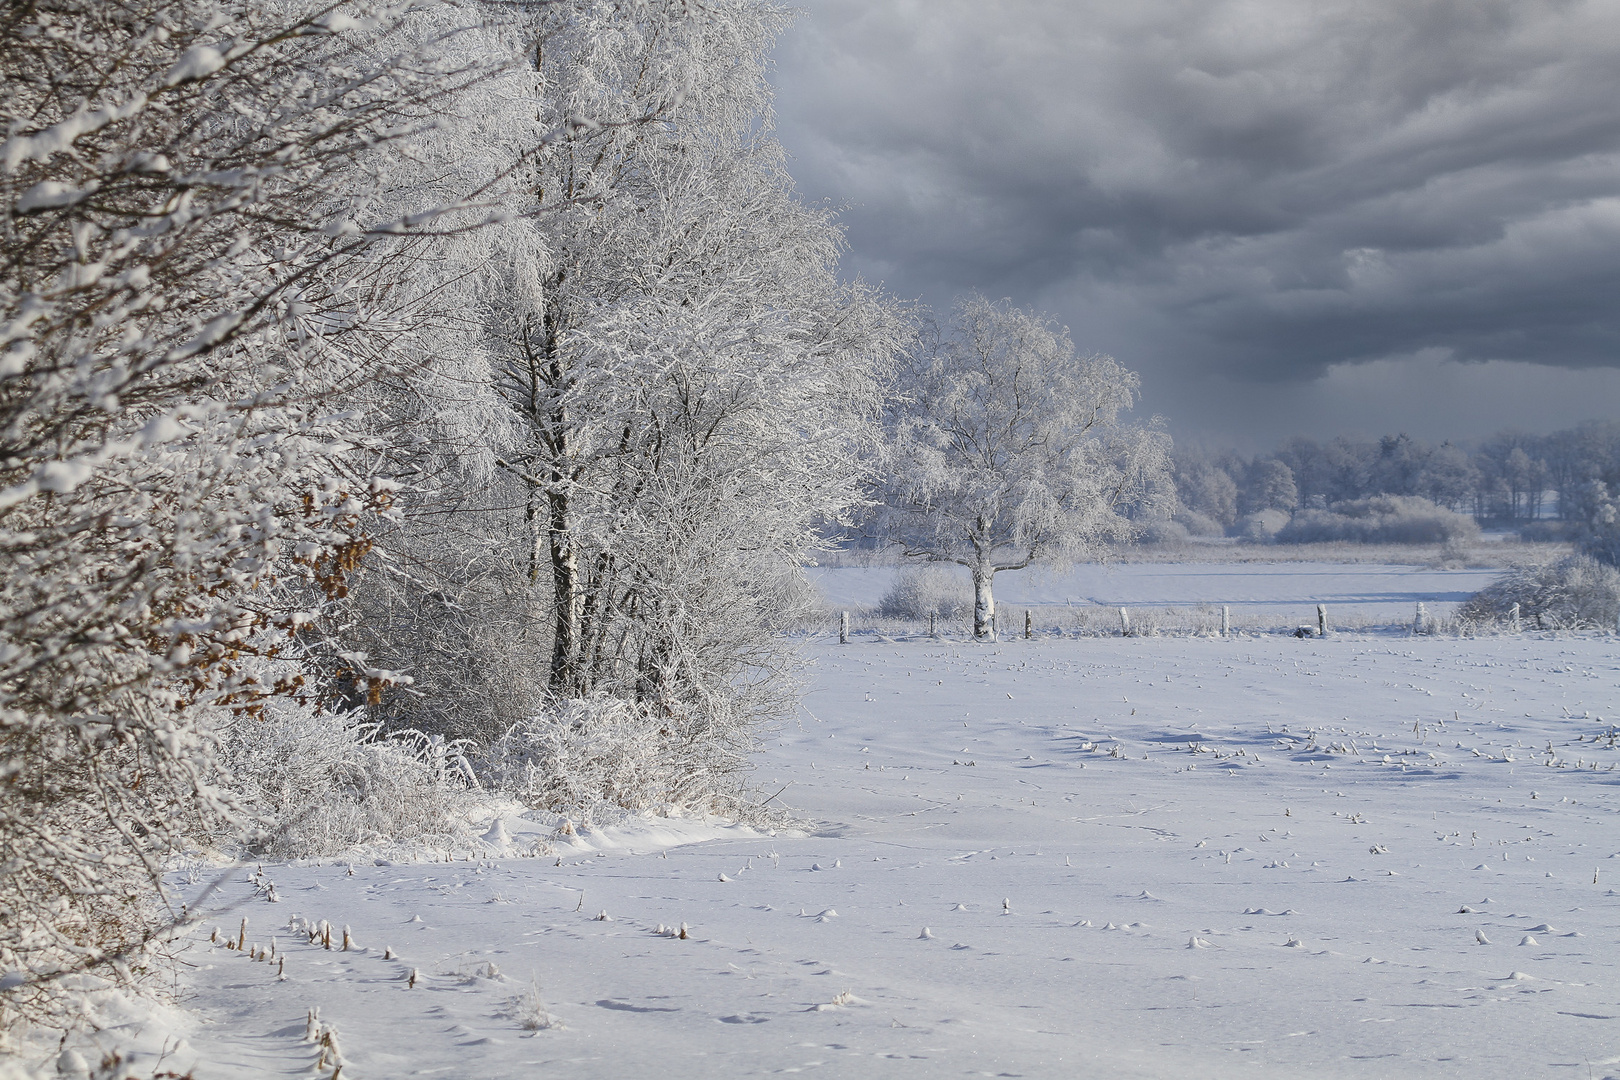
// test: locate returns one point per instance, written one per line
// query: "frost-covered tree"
(1203, 487)
(682, 380)
(1271, 487)
(1007, 448)
(1600, 532)
(198, 263)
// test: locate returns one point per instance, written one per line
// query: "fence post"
(1226, 621)
(933, 631)
(1029, 625)
(1421, 621)
(1513, 618)
(843, 628)
(1321, 620)
(1124, 622)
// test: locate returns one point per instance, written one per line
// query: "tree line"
(1511, 478)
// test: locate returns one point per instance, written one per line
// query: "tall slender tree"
(686, 380)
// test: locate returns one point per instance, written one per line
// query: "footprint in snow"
(1196, 942)
(959, 907)
(1293, 943)
(926, 934)
(1544, 929)
(1527, 940)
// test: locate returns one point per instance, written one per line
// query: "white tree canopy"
(1007, 448)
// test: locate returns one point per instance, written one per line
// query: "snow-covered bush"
(1201, 525)
(1383, 519)
(1165, 533)
(585, 754)
(927, 589)
(1600, 532)
(313, 782)
(1572, 594)
(1546, 532)
(446, 599)
(1262, 525)
(192, 270)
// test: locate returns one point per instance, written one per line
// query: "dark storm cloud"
(1251, 188)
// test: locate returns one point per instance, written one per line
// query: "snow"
(1144, 857)
(197, 62)
(1141, 857)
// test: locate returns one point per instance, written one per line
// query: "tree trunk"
(984, 603)
(565, 596)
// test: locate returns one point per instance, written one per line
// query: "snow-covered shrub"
(1600, 533)
(452, 606)
(927, 589)
(312, 782)
(1574, 593)
(583, 755)
(193, 268)
(1262, 524)
(1165, 533)
(1546, 532)
(1382, 519)
(1198, 524)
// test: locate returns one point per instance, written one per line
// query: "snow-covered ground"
(1358, 856)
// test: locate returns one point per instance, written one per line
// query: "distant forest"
(1511, 478)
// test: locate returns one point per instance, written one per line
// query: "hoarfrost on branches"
(181, 483)
(1007, 448)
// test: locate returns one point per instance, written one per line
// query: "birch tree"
(1006, 449)
(687, 379)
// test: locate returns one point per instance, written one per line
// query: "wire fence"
(1055, 621)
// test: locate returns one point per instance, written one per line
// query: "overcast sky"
(1290, 216)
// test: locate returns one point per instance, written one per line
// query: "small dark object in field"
(1304, 631)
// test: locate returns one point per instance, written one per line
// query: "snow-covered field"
(1268, 592)
(1115, 857)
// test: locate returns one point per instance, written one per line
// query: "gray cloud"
(1252, 191)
